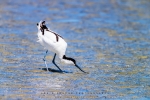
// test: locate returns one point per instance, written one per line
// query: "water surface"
(110, 39)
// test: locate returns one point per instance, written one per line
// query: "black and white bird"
(55, 43)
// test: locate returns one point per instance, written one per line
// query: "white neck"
(69, 62)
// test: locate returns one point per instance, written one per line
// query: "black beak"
(80, 69)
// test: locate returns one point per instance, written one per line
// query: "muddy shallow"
(110, 39)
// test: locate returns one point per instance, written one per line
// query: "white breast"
(48, 40)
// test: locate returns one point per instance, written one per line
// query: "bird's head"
(41, 25)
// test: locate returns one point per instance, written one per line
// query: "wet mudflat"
(110, 39)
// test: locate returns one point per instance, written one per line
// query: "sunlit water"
(110, 39)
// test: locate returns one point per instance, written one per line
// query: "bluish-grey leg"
(53, 61)
(44, 59)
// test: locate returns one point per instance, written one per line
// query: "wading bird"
(55, 43)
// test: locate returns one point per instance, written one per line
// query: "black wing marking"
(43, 27)
(57, 35)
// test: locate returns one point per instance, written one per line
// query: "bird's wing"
(48, 41)
(50, 35)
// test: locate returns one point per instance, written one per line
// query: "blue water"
(109, 39)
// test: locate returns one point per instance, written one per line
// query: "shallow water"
(110, 39)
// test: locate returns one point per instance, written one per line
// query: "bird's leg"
(53, 61)
(44, 59)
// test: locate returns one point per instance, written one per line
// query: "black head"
(71, 59)
(68, 58)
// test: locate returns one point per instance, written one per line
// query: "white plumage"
(55, 43)
(48, 40)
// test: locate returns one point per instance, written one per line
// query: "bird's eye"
(37, 24)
